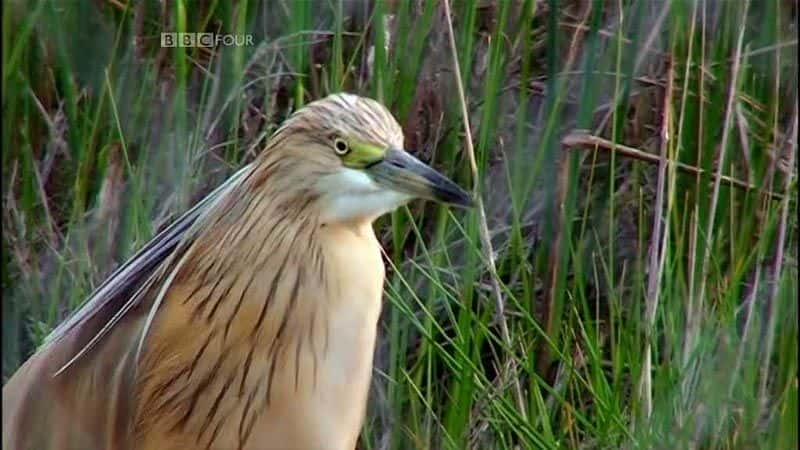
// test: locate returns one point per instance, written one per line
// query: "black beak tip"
(458, 197)
(466, 202)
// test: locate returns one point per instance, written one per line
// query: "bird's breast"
(327, 410)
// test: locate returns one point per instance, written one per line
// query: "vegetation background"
(636, 161)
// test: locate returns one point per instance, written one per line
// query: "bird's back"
(76, 391)
(39, 409)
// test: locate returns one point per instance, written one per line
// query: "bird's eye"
(340, 146)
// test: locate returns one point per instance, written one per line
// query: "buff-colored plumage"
(250, 322)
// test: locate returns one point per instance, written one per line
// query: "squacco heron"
(250, 322)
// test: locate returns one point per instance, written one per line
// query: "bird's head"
(348, 151)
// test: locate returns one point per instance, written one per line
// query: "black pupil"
(341, 146)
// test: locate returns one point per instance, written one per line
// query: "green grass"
(107, 136)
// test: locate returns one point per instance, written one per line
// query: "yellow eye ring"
(340, 147)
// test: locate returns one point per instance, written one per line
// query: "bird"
(250, 321)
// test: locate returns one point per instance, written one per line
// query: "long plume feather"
(142, 269)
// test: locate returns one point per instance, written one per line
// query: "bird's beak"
(401, 172)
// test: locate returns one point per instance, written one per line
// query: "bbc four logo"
(208, 40)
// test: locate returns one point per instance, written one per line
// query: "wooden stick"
(581, 138)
